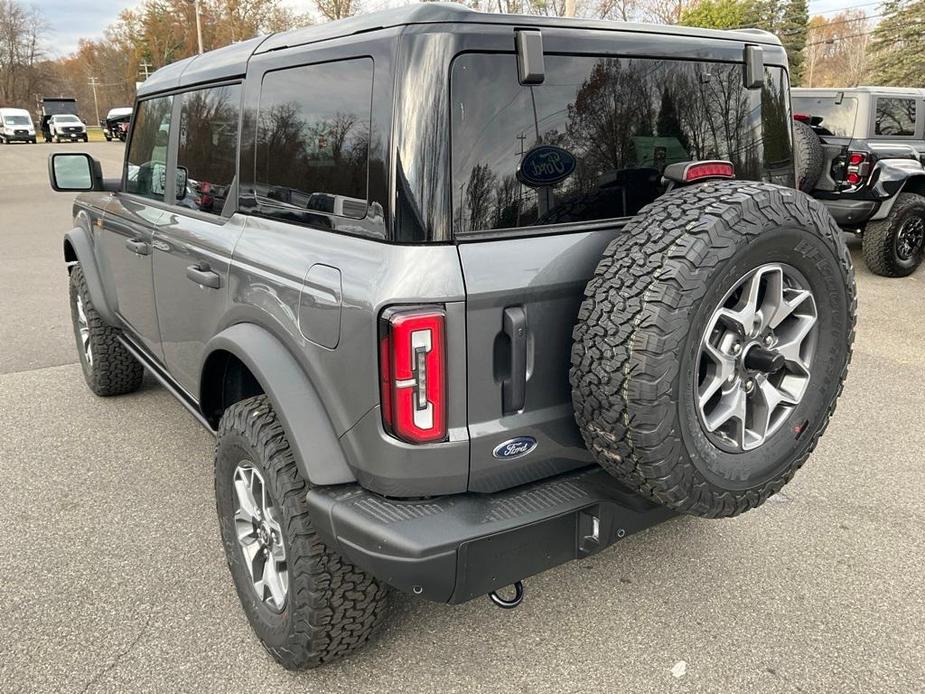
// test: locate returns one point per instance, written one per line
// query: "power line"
(849, 7)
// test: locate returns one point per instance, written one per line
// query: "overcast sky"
(70, 21)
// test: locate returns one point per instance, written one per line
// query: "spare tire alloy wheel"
(713, 343)
(755, 356)
(260, 537)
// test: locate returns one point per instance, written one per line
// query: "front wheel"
(894, 247)
(306, 603)
(712, 344)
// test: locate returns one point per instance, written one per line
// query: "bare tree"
(21, 31)
(337, 9)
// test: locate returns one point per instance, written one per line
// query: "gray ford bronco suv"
(462, 297)
(864, 153)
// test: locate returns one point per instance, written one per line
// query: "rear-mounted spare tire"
(713, 343)
(808, 156)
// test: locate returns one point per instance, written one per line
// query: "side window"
(313, 133)
(207, 149)
(895, 117)
(146, 167)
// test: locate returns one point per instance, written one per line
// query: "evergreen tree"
(792, 33)
(898, 47)
(668, 123)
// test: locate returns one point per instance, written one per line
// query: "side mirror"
(74, 172)
(182, 179)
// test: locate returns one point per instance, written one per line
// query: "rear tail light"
(802, 117)
(412, 373)
(857, 168)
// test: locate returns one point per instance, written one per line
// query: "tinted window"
(895, 117)
(208, 143)
(146, 168)
(313, 132)
(836, 118)
(619, 122)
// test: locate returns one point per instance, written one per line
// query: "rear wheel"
(108, 367)
(894, 247)
(307, 604)
(713, 343)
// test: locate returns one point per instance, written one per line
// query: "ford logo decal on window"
(515, 448)
(545, 165)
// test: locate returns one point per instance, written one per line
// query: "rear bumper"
(851, 213)
(455, 548)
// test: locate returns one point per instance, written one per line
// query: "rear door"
(193, 245)
(543, 178)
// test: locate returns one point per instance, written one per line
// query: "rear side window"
(313, 130)
(895, 117)
(208, 146)
(591, 142)
(146, 166)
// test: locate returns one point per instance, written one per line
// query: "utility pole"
(96, 103)
(146, 66)
(198, 24)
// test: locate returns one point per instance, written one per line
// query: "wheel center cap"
(757, 358)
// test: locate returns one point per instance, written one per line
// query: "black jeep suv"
(462, 297)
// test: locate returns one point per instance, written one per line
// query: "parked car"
(115, 124)
(449, 325)
(66, 127)
(16, 126)
(866, 151)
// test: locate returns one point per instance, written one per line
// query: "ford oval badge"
(515, 448)
(545, 165)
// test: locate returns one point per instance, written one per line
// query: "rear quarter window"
(601, 131)
(895, 117)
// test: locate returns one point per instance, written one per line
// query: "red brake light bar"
(709, 169)
(412, 373)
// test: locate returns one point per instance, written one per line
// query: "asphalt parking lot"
(113, 577)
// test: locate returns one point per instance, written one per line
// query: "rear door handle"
(514, 387)
(139, 247)
(202, 275)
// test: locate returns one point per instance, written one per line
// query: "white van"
(16, 125)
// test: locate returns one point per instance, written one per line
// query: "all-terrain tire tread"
(877, 241)
(335, 607)
(809, 156)
(634, 321)
(114, 370)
